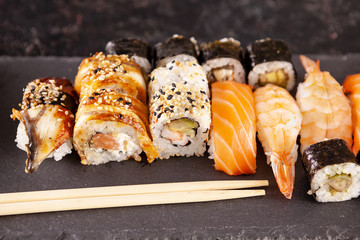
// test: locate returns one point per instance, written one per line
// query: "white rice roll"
(180, 118)
(189, 73)
(333, 171)
(222, 64)
(272, 66)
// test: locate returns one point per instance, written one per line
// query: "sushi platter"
(272, 215)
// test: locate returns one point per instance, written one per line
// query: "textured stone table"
(77, 28)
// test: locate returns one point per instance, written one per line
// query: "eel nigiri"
(352, 86)
(46, 120)
(326, 110)
(233, 135)
(278, 124)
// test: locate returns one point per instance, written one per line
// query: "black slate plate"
(271, 216)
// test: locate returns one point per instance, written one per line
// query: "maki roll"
(46, 120)
(136, 49)
(269, 61)
(178, 48)
(112, 119)
(221, 60)
(179, 104)
(333, 171)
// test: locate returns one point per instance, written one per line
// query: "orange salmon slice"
(234, 128)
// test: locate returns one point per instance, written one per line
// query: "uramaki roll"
(111, 122)
(179, 101)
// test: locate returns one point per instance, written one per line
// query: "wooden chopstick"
(124, 200)
(128, 190)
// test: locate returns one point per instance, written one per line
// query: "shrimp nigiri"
(278, 124)
(326, 110)
(352, 86)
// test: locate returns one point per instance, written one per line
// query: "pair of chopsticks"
(130, 195)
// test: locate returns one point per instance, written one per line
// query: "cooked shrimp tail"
(284, 171)
(310, 65)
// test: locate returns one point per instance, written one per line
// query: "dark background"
(78, 28)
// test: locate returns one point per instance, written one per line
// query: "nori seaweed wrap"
(333, 171)
(137, 49)
(221, 60)
(269, 61)
(178, 48)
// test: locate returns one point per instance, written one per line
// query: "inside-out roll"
(269, 61)
(333, 171)
(179, 103)
(111, 122)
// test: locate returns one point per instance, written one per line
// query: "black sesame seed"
(120, 99)
(206, 100)
(170, 97)
(166, 109)
(178, 92)
(162, 92)
(194, 64)
(172, 89)
(186, 109)
(171, 106)
(159, 107)
(203, 80)
(154, 113)
(192, 105)
(171, 67)
(91, 98)
(185, 82)
(96, 70)
(153, 78)
(173, 84)
(96, 93)
(173, 61)
(202, 107)
(159, 115)
(203, 92)
(125, 71)
(188, 143)
(121, 116)
(171, 111)
(127, 103)
(189, 93)
(190, 99)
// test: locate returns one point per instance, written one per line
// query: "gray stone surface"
(76, 28)
(268, 217)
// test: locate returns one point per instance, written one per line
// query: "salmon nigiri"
(352, 86)
(233, 136)
(278, 123)
(326, 110)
